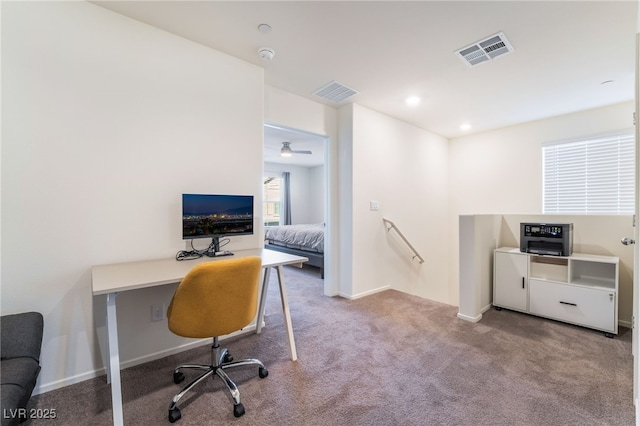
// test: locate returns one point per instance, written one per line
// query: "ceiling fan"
(286, 150)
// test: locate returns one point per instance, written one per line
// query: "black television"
(215, 216)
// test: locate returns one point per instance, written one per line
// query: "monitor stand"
(214, 249)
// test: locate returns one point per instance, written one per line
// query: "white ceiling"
(300, 141)
(388, 50)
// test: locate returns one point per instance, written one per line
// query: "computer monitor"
(215, 216)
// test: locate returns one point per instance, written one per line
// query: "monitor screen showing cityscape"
(209, 216)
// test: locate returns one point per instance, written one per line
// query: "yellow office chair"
(214, 299)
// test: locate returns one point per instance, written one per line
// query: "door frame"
(330, 229)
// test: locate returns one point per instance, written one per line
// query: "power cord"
(188, 255)
(209, 251)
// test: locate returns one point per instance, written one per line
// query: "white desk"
(118, 277)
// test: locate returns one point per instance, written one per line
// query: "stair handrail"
(393, 226)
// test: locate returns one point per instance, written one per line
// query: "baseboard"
(48, 387)
(468, 318)
(366, 293)
(626, 324)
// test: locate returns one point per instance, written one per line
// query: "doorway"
(296, 174)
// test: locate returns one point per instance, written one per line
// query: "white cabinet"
(580, 289)
(510, 280)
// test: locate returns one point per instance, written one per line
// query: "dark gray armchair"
(21, 336)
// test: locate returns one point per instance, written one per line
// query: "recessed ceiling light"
(465, 127)
(412, 100)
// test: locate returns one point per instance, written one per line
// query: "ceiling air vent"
(485, 50)
(335, 92)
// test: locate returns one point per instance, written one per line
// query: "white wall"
(500, 172)
(106, 121)
(345, 196)
(479, 236)
(404, 168)
(316, 194)
(299, 113)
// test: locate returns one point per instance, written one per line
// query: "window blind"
(593, 176)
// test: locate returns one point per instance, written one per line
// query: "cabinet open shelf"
(598, 274)
(549, 268)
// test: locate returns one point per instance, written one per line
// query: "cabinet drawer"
(589, 307)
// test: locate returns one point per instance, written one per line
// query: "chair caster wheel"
(263, 372)
(178, 378)
(238, 410)
(227, 357)
(174, 415)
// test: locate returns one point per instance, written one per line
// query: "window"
(272, 201)
(592, 176)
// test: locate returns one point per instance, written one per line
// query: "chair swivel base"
(224, 361)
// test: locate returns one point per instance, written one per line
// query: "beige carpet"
(386, 359)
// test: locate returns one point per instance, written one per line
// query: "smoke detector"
(266, 53)
(264, 28)
(485, 50)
